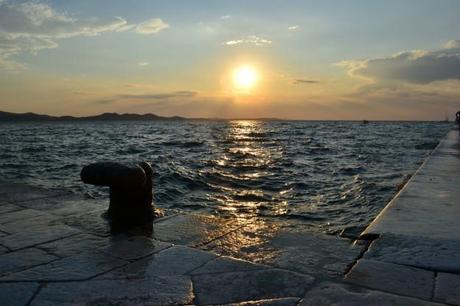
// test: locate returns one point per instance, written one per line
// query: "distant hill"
(15, 117)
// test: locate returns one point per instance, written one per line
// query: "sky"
(313, 60)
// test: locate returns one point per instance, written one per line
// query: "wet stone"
(17, 294)
(268, 302)
(23, 259)
(423, 252)
(447, 289)
(297, 250)
(78, 267)
(228, 264)
(130, 248)
(20, 194)
(169, 290)
(177, 260)
(74, 245)
(92, 222)
(21, 215)
(35, 235)
(392, 278)
(236, 287)
(77, 206)
(51, 203)
(5, 208)
(346, 295)
(191, 230)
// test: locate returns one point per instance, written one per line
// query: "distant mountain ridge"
(16, 117)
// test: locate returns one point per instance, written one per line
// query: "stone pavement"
(57, 249)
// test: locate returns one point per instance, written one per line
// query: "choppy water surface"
(328, 175)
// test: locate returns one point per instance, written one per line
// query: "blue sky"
(361, 59)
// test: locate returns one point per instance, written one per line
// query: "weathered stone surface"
(73, 245)
(34, 234)
(17, 294)
(170, 290)
(298, 250)
(177, 260)
(269, 302)
(447, 289)
(73, 207)
(235, 287)
(23, 259)
(228, 264)
(433, 254)
(78, 267)
(392, 278)
(424, 208)
(20, 193)
(135, 247)
(50, 203)
(93, 223)
(345, 295)
(21, 215)
(191, 230)
(9, 208)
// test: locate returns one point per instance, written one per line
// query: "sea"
(330, 176)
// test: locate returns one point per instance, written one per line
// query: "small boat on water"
(365, 121)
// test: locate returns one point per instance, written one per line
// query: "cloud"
(224, 17)
(151, 26)
(34, 26)
(254, 40)
(302, 81)
(161, 96)
(293, 27)
(418, 66)
(143, 64)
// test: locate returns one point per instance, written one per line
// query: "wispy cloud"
(34, 26)
(160, 96)
(253, 40)
(304, 81)
(151, 26)
(143, 64)
(224, 17)
(293, 27)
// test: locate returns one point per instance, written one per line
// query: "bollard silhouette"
(130, 189)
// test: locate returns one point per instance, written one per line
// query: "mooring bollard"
(130, 189)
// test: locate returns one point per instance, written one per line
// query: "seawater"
(329, 176)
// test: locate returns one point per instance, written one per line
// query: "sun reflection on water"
(247, 159)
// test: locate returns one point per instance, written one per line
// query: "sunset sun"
(245, 78)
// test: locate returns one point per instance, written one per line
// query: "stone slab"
(236, 287)
(177, 260)
(23, 259)
(447, 289)
(299, 250)
(192, 230)
(422, 252)
(74, 244)
(34, 235)
(21, 215)
(18, 194)
(344, 295)
(135, 247)
(5, 208)
(227, 264)
(397, 279)
(78, 267)
(92, 222)
(75, 206)
(424, 208)
(268, 302)
(48, 203)
(170, 290)
(17, 294)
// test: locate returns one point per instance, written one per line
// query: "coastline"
(55, 248)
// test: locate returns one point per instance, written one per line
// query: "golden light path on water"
(246, 160)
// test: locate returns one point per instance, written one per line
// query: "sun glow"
(245, 78)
